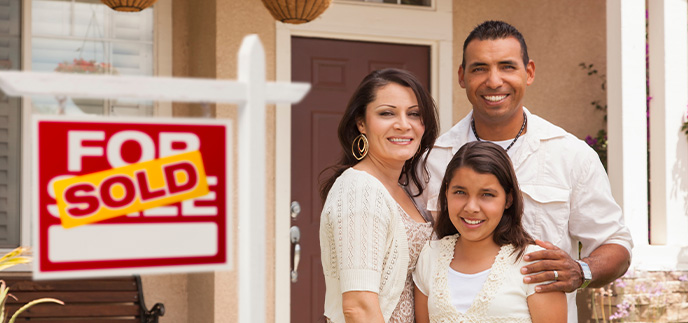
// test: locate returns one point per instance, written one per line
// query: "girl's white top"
(502, 298)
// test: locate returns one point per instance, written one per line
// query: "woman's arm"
(422, 315)
(361, 307)
(548, 307)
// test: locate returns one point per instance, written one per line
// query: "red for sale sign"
(125, 196)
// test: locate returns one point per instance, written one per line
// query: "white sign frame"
(68, 274)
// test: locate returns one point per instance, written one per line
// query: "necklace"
(523, 126)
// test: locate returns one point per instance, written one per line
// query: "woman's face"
(476, 203)
(392, 124)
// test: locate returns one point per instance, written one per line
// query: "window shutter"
(10, 129)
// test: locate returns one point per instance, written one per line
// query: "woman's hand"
(361, 307)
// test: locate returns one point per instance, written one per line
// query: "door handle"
(295, 235)
(295, 209)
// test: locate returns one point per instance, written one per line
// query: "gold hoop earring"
(359, 148)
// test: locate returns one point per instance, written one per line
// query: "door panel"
(334, 68)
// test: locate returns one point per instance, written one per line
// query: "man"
(565, 188)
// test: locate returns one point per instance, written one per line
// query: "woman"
(472, 273)
(370, 229)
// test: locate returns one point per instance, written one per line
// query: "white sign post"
(251, 92)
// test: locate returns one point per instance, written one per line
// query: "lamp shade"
(128, 5)
(296, 11)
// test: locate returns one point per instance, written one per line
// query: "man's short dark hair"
(493, 30)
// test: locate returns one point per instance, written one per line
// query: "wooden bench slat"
(75, 297)
(77, 310)
(72, 285)
(101, 300)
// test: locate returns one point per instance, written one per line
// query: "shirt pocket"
(546, 211)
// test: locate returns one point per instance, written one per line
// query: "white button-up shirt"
(566, 191)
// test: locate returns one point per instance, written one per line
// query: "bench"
(102, 300)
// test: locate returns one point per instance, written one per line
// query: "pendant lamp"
(296, 11)
(128, 5)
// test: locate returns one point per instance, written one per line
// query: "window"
(10, 112)
(85, 36)
(65, 35)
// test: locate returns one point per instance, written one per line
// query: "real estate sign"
(125, 196)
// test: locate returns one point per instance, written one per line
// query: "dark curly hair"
(355, 111)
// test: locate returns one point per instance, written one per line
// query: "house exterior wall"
(560, 35)
(206, 39)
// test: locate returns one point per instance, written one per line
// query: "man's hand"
(569, 274)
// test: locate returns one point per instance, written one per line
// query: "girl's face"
(393, 124)
(476, 203)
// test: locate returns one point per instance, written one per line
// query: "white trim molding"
(352, 21)
(668, 50)
(626, 125)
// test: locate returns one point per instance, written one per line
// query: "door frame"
(347, 20)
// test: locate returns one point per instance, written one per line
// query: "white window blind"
(87, 36)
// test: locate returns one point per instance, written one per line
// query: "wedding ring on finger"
(556, 275)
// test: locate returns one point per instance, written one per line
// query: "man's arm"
(607, 262)
(597, 222)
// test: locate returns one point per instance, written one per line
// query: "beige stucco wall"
(207, 35)
(560, 35)
(206, 38)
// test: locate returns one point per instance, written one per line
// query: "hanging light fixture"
(296, 11)
(128, 5)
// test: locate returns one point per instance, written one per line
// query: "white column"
(252, 179)
(668, 87)
(626, 121)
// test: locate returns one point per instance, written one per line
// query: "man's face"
(495, 79)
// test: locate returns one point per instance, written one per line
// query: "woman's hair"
(487, 158)
(356, 110)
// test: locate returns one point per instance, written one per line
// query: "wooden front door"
(334, 68)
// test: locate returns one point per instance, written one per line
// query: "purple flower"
(620, 283)
(591, 141)
(622, 310)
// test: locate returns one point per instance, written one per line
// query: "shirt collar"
(537, 130)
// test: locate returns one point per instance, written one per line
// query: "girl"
(471, 274)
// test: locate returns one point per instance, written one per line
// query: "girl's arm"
(422, 315)
(362, 307)
(548, 307)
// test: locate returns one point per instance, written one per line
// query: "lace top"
(363, 243)
(503, 297)
(417, 234)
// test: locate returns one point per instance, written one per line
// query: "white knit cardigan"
(363, 243)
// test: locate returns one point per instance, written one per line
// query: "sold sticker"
(118, 191)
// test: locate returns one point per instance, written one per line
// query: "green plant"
(16, 257)
(599, 142)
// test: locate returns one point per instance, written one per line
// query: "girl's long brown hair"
(487, 158)
(355, 110)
